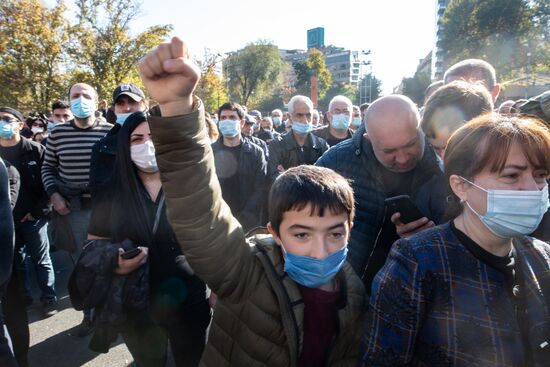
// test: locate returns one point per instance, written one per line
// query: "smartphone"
(130, 254)
(404, 205)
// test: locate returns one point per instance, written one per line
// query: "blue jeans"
(31, 240)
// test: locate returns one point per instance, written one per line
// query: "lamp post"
(362, 84)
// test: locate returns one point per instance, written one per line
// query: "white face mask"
(143, 156)
(512, 213)
(37, 130)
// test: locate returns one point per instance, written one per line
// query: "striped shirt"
(68, 153)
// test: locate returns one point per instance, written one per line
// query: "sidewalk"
(53, 343)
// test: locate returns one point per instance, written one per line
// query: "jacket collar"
(290, 143)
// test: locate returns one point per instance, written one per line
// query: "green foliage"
(415, 87)
(253, 72)
(512, 35)
(105, 53)
(32, 39)
(341, 89)
(369, 89)
(314, 65)
(211, 88)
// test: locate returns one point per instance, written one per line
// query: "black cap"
(12, 111)
(249, 119)
(256, 113)
(129, 90)
(538, 106)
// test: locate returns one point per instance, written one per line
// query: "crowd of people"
(385, 234)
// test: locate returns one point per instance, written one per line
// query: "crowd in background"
(156, 211)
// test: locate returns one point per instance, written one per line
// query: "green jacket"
(258, 319)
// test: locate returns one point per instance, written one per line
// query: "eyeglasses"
(7, 119)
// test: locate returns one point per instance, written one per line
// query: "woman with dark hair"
(178, 299)
(474, 291)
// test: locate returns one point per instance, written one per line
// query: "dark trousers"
(15, 317)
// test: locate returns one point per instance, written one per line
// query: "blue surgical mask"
(121, 118)
(340, 121)
(513, 213)
(52, 124)
(311, 272)
(276, 120)
(6, 130)
(356, 122)
(229, 128)
(301, 128)
(82, 107)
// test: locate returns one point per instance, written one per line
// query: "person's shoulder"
(103, 125)
(342, 152)
(536, 246)
(430, 239)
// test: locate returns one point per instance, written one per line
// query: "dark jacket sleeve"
(210, 237)
(275, 158)
(6, 227)
(15, 184)
(396, 310)
(258, 177)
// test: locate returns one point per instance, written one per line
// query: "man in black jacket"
(6, 257)
(241, 168)
(298, 146)
(31, 209)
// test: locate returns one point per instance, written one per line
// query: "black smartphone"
(130, 254)
(404, 205)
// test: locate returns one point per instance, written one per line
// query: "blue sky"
(398, 32)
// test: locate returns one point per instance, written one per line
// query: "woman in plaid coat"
(474, 291)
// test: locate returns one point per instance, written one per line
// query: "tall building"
(438, 62)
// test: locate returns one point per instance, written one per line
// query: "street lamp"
(362, 85)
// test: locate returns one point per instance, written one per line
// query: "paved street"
(53, 343)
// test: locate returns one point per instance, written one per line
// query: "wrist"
(176, 108)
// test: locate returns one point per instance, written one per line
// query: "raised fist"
(170, 76)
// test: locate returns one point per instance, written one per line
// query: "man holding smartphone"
(393, 159)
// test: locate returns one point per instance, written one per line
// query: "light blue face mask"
(6, 130)
(82, 107)
(301, 128)
(311, 272)
(52, 125)
(276, 120)
(229, 128)
(356, 122)
(121, 118)
(513, 213)
(340, 121)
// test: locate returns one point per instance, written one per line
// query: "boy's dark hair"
(60, 105)
(231, 106)
(320, 187)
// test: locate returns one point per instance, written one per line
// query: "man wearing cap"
(127, 99)
(241, 168)
(339, 114)
(66, 167)
(247, 132)
(31, 208)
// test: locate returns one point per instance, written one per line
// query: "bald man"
(393, 159)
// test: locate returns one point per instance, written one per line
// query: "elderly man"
(339, 115)
(298, 146)
(277, 118)
(66, 167)
(474, 70)
(393, 159)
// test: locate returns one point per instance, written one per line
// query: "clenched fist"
(170, 76)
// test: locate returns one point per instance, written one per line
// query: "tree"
(252, 72)
(415, 87)
(32, 53)
(369, 89)
(211, 88)
(314, 65)
(510, 34)
(105, 53)
(340, 89)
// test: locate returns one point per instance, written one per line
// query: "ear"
(329, 116)
(274, 234)
(242, 123)
(459, 187)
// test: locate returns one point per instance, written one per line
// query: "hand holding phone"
(408, 219)
(130, 254)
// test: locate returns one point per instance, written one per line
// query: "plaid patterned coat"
(434, 303)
